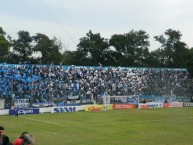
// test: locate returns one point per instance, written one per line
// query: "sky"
(70, 20)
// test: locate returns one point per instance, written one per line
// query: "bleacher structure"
(35, 86)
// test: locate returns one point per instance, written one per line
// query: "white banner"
(106, 99)
(21, 103)
(2, 103)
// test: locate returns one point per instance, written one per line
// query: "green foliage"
(22, 46)
(132, 46)
(173, 52)
(4, 46)
(70, 58)
(129, 49)
(49, 48)
(92, 49)
(190, 62)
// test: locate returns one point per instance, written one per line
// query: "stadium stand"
(48, 85)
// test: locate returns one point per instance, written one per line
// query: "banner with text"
(23, 111)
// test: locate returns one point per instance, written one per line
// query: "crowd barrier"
(102, 107)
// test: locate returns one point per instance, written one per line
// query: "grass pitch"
(164, 126)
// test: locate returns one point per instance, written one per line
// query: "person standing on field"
(16, 112)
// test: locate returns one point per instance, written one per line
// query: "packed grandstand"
(59, 85)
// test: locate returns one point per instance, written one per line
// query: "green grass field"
(166, 126)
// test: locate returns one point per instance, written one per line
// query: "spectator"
(4, 140)
(48, 84)
(24, 139)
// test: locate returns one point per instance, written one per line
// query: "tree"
(4, 46)
(132, 47)
(22, 49)
(92, 49)
(49, 48)
(158, 58)
(190, 62)
(174, 52)
(70, 57)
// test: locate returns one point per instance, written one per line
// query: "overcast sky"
(69, 20)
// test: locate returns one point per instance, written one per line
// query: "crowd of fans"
(52, 83)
